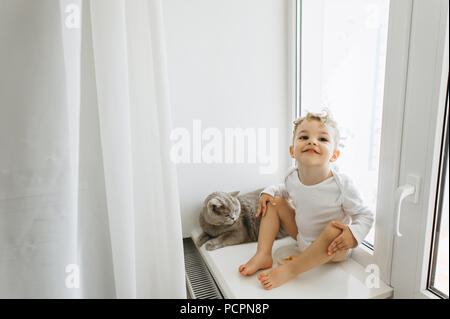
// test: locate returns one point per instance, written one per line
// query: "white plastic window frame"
(393, 106)
(422, 134)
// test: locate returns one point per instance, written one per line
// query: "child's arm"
(268, 194)
(353, 205)
(344, 241)
(274, 190)
(271, 191)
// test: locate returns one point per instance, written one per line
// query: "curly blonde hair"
(325, 118)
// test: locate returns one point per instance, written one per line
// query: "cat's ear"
(234, 194)
(215, 202)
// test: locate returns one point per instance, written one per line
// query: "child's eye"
(323, 139)
(303, 137)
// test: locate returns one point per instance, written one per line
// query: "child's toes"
(268, 285)
(244, 270)
(263, 277)
(264, 280)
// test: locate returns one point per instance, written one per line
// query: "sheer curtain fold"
(135, 125)
(37, 171)
(101, 156)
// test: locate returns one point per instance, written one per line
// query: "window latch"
(411, 188)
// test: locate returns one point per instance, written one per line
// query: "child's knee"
(278, 200)
(341, 256)
(283, 204)
(331, 232)
(275, 205)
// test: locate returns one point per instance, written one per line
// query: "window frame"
(437, 217)
(428, 57)
(397, 50)
(409, 49)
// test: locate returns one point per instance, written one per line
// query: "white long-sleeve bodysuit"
(335, 198)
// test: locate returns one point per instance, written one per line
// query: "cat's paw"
(203, 238)
(210, 245)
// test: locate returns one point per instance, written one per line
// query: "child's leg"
(282, 213)
(340, 256)
(315, 255)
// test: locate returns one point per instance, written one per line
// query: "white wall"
(228, 67)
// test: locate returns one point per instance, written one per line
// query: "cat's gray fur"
(228, 219)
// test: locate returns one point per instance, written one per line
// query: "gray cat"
(228, 219)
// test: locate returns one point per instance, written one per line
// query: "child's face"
(314, 144)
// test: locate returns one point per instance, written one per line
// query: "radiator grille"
(199, 281)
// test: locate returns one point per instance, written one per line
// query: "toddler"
(328, 216)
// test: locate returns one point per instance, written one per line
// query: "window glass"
(343, 54)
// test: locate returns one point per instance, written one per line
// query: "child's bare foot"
(275, 277)
(259, 261)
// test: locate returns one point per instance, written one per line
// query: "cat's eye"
(219, 209)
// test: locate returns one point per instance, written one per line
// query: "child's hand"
(344, 241)
(262, 205)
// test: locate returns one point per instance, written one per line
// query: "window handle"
(401, 193)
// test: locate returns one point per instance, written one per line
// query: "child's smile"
(311, 151)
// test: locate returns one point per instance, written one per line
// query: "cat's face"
(222, 208)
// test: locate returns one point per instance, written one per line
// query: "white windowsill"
(334, 280)
(425, 294)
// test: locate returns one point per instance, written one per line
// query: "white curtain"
(87, 189)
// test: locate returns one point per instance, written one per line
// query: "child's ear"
(335, 156)
(291, 151)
